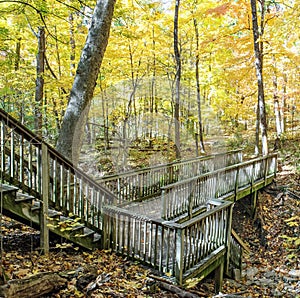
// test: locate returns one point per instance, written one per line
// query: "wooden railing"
(178, 250)
(237, 247)
(147, 182)
(36, 168)
(186, 196)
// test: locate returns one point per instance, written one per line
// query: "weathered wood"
(230, 183)
(219, 272)
(176, 290)
(34, 286)
(26, 165)
(145, 183)
(45, 196)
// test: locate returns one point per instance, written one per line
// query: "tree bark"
(39, 86)
(200, 127)
(177, 82)
(277, 111)
(34, 286)
(258, 51)
(71, 134)
(18, 54)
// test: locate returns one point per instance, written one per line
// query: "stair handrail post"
(228, 237)
(236, 187)
(163, 204)
(179, 255)
(266, 162)
(45, 199)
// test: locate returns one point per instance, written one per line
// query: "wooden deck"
(185, 197)
(175, 217)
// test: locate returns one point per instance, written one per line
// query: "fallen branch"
(34, 286)
(164, 285)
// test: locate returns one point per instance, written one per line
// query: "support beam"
(45, 198)
(219, 272)
(253, 203)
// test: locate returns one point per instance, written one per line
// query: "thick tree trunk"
(177, 82)
(71, 134)
(258, 50)
(39, 86)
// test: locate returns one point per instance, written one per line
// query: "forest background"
(138, 104)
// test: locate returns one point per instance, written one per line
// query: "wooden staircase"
(26, 209)
(39, 187)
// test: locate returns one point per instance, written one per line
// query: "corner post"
(179, 256)
(219, 272)
(228, 238)
(45, 198)
(253, 203)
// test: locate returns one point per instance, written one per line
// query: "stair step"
(79, 229)
(97, 237)
(87, 233)
(4, 188)
(54, 215)
(22, 197)
(36, 206)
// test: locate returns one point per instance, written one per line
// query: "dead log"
(33, 286)
(162, 284)
(176, 290)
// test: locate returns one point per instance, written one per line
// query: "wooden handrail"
(69, 188)
(171, 247)
(221, 170)
(144, 183)
(166, 165)
(187, 195)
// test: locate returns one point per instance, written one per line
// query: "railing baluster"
(3, 141)
(12, 155)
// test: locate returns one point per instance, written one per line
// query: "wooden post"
(179, 256)
(266, 163)
(219, 272)
(253, 203)
(236, 187)
(228, 236)
(45, 197)
(164, 205)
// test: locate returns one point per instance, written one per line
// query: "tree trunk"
(283, 103)
(71, 134)
(258, 50)
(177, 82)
(276, 103)
(18, 54)
(39, 87)
(200, 127)
(72, 44)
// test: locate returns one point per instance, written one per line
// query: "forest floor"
(271, 269)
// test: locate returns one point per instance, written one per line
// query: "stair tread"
(21, 197)
(36, 206)
(87, 232)
(7, 188)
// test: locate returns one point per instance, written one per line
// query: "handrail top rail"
(25, 132)
(238, 165)
(220, 204)
(146, 169)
